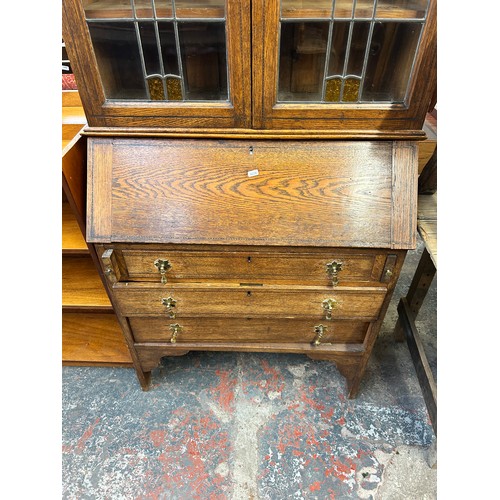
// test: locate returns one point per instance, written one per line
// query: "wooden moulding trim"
(300, 348)
(102, 364)
(95, 309)
(400, 135)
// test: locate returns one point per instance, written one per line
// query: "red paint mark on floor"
(158, 437)
(340, 470)
(312, 441)
(275, 383)
(86, 436)
(328, 415)
(311, 402)
(225, 390)
(315, 486)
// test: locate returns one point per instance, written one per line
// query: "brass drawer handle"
(328, 306)
(163, 266)
(169, 303)
(319, 330)
(332, 270)
(176, 329)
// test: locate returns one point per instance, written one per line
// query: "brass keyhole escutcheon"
(176, 330)
(169, 303)
(328, 305)
(332, 270)
(319, 330)
(163, 265)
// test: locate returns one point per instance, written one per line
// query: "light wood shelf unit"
(91, 334)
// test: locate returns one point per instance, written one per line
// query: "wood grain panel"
(99, 197)
(404, 195)
(341, 354)
(89, 339)
(72, 237)
(305, 193)
(253, 301)
(74, 176)
(249, 266)
(82, 286)
(157, 329)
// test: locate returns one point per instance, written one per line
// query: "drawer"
(231, 300)
(251, 330)
(323, 268)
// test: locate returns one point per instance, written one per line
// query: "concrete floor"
(253, 426)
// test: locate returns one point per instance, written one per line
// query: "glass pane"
(343, 8)
(117, 53)
(203, 53)
(392, 52)
(304, 9)
(156, 90)
(150, 48)
(332, 90)
(340, 35)
(302, 61)
(143, 8)
(359, 39)
(120, 9)
(163, 8)
(174, 89)
(168, 48)
(409, 9)
(351, 90)
(200, 9)
(104, 9)
(364, 8)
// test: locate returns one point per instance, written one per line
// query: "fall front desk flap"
(286, 193)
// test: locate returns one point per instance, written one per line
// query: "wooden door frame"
(376, 120)
(107, 113)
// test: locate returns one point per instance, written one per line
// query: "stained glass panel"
(368, 49)
(156, 50)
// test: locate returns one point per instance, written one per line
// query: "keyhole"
(250, 150)
(249, 259)
(249, 294)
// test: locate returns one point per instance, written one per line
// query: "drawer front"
(251, 330)
(329, 268)
(212, 300)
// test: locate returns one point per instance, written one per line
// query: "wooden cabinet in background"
(91, 334)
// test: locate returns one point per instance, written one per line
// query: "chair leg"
(419, 286)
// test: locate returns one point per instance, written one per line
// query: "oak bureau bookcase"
(252, 168)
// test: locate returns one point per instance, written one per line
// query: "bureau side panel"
(404, 194)
(99, 193)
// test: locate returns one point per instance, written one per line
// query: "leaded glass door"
(162, 63)
(343, 64)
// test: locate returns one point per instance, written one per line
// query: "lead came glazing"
(332, 50)
(160, 50)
